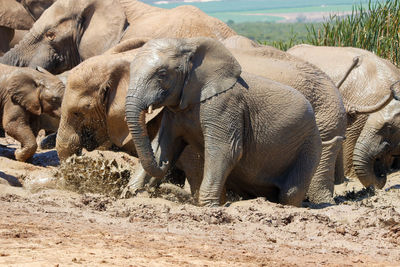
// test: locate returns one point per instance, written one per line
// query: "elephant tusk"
(150, 110)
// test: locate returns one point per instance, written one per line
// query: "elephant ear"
(103, 26)
(211, 70)
(13, 15)
(112, 97)
(24, 90)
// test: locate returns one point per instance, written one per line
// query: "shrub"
(375, 28)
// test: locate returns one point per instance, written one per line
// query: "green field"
(249, 16)
(282, 35)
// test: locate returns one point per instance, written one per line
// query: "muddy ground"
(51, 221)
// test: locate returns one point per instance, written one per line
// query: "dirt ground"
(44, 223)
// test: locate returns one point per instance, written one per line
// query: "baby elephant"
(26, 97)
(257, 136)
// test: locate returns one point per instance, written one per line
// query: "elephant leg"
(353, 131)
(339, 167)
(294, 188)
(322, 184)
(23, 134)
(218, 163)
(192, 164)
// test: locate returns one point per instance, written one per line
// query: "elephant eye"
(162, 74)
(50, 35)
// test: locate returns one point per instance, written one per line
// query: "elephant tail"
(356, 61)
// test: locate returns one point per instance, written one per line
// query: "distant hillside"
(266, 10)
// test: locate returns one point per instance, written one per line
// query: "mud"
(46, 219)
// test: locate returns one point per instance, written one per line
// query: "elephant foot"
(23, 155)
(131, 191)
(211, 204)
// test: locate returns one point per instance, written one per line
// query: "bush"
(375, 28)
(281, 35)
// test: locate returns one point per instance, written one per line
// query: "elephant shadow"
(12, 180)
(396, 186)
(42, 159)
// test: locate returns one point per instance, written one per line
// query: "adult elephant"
(233, 120)
(18, 15)
(318, 89)
(372, 132)
(71, 31)
(27, 96)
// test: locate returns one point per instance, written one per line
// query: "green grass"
(374, 27)
(280, 35)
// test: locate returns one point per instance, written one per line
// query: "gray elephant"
(318, 89)
(372, 132)
(27, 96)
(71, 31)
(18, 15)
(257, 136)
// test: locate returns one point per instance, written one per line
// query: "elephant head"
(68, 32)
(92, 111)
(177, 74)
(37, 91)
(377, 143)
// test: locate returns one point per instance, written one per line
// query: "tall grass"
(375, 28)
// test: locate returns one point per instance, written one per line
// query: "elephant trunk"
(135, 117)
(368, 159)
(68, 141)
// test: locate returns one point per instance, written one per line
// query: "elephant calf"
(26, 97)
(257, 136)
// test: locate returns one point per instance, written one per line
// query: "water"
(259, 10)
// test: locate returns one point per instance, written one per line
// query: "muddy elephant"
(372, 135)
(27, 96)
(318, 89)
(71, 31)
(233, 120)
(93, 109)
(18, 15)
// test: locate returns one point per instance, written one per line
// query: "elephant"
(29, 99)
(71, 31)
(93, 107)
(372, 135)
(318, 89)
(257, 136)
(18, 15)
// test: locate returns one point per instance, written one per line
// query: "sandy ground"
(43, 224)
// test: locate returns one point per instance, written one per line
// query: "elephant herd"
(181, 90)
